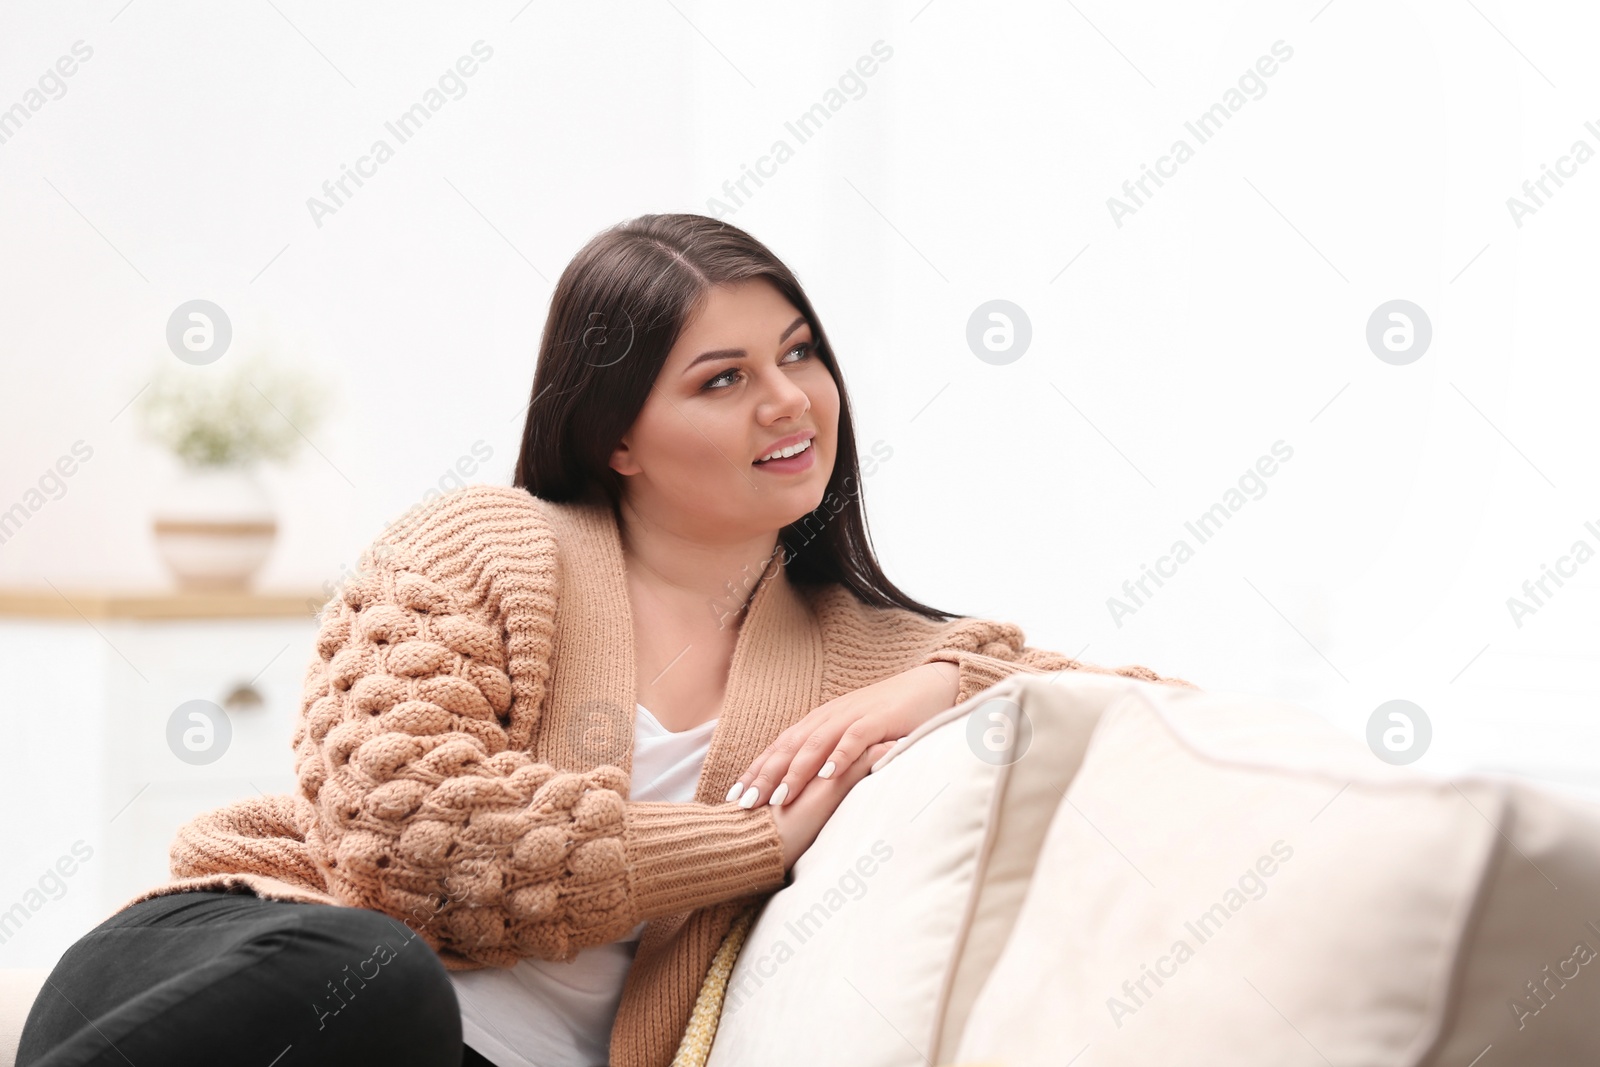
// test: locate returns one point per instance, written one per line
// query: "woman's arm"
(989, 652)
(889, 671)
(429, 676)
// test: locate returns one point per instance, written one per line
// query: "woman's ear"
(622, 460)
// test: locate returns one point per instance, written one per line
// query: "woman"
(557, 737)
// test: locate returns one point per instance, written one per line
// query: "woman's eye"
(804, 347)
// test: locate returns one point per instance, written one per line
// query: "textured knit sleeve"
(866, 644)
(419, 703)
(988, 652)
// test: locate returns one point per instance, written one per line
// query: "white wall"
(1168, 353)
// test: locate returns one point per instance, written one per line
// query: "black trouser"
(210, 977)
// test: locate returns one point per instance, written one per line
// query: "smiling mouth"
(799, 450)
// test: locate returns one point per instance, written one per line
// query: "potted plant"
(215, 525)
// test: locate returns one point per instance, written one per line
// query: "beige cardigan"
(464, 751)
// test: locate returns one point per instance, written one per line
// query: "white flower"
(231, 414)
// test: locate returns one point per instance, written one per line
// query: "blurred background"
(1275, 308)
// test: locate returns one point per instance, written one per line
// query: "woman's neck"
(693, 574)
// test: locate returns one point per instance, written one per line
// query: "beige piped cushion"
(1232, 881)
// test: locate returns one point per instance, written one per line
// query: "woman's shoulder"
(483, 517)
(464, 507)
(840, 610)
(472, 540)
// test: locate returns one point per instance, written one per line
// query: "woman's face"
(743, 378)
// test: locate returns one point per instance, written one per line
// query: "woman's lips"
(800, 462)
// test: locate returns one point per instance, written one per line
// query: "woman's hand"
(799, 823)
(833, 736)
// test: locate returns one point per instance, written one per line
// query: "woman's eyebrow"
(739, 353)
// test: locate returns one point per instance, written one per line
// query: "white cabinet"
(97, 779)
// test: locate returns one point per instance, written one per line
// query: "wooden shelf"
(157, 604)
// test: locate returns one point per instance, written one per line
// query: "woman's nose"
(785, 397)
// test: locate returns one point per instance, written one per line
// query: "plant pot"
(214, 528)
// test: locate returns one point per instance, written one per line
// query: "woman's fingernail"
(733, 794)
(827, 770)
(749, 798)
(779, 793)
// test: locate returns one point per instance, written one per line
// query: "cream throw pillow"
(1230, 880)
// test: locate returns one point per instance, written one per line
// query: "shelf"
(157, 604)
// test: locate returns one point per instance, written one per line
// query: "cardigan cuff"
(682, 857)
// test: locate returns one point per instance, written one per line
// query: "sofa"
(1085, 865)
(1080, 864)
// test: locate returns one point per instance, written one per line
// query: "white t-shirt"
(545, 1013)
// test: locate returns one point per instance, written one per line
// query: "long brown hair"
(617, 310)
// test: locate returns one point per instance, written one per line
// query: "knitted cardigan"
(464, 751)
